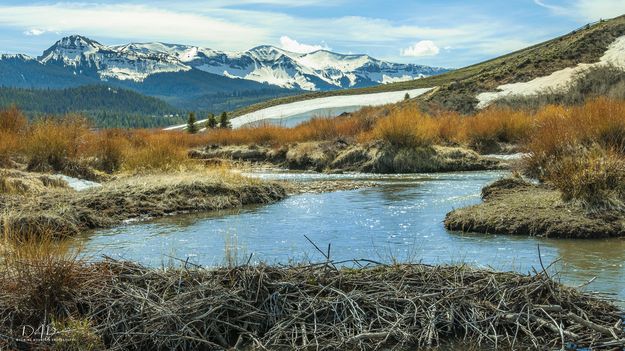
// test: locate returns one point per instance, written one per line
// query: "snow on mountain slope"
(268, 64)
(319, 70)
(556, 81)
(286, 111)
(322, 59)
(85, 54)
(16, 57)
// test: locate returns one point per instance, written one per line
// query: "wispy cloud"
(294, 46)
(131, 21)
(551, 7)
(597, 9)
(585, 10)
(422, 48)
(34, 32)
(234, 29)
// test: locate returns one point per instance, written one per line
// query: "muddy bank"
(338, 156)
(513, 206)
(124, 306)
(66, 212)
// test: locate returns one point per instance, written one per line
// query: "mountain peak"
(71, 49)
(76, 41)
(266, 49)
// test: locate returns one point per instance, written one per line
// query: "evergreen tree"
(191, 127)
(407, 96)
(223, 120)
(212, 121)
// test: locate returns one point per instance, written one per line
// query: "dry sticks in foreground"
(131, 307)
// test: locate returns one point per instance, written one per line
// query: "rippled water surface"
(401, 219)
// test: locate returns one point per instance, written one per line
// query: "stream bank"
(516, 207)
(45, 205)
(340, 156)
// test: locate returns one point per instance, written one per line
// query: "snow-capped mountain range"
(135, 62)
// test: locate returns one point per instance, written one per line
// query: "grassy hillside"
(458, 88)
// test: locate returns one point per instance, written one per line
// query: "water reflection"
(399, 220)
(603, 259)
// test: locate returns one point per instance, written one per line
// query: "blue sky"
(433, 32)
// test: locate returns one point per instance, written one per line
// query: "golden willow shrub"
(52, 142)
(13, 126)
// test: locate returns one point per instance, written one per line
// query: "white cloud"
(34, 32)
(293, 45)
(422, 48)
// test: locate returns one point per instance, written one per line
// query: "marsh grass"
(580, 150)
(155, 152)
(593, 178)
(68, 145)
(12, 127)
(407, 128)
(52, 142)
(65, 213)
(40, 276)
(13, 182)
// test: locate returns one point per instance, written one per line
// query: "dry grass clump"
(155, 151)
(407, 127)
(580, 150)
(321, 307)
(109, 148)
(52, 142)
(594, 178)
(560, 129)
(12, 128)
(68, 145)
(497, 125)
(21, 183)
(9, 147)
(41, 277)
(12, 120)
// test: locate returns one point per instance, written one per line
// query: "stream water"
(400, 219)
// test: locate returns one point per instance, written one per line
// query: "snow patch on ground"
(559, 80)
(77, 184)
(301, 107)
